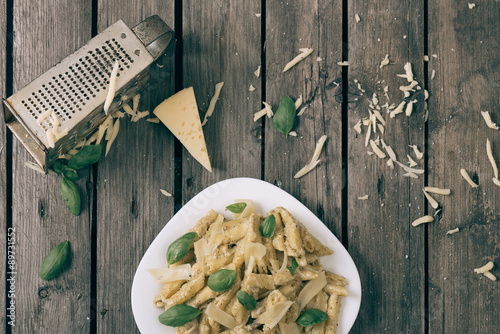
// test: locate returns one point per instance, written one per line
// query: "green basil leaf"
(54, 261)
(88, 155)
(179, 248)
(59, 166)
(246, 300)
(293, 267)
(236, 207)
(284, 117)
(312, 317)
(268, 226)
(178, 315)
(71, 195)
(71, 175)
(221, 280)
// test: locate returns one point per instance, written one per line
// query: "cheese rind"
(180, 115)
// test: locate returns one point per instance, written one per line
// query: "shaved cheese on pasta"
(171, 274)
(417, 153)
(490, 157)
(487, 267)
(166, 193)
(249, 208)
(455, 230)
(213, 101)
(201, 249)
(273, 315)
(398, 110)
(255, 249)
(438, 191)
(357, 127)
(114, 133)
(384, 61)
(311, 289)
(250, 265)
(294, 61)
(135, 102)
(422, 220)
(218, 315)
(468, 179)
(112, 87)
(298, 102)
(377, 150)
(489, 122)
(411, 161)
(217, 235)
(257, 72)
(363, 198)
(275, 264)
(431, 200)
(315, 159)
(290, 328)
(285, 263)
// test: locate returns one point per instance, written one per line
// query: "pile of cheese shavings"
(315, 158)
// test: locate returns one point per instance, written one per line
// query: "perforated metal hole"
(69, 92)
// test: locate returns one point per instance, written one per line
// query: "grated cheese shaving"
(409, 73)
(171, 274)
(153, 120)
(257, 72)
(103, 127)
(489, 122)
(250, 265)
(257, 14)
(417, 153)
(343, 63)
(379, 116)
(426, 95)
(310, 290)
(34, 166)
(431, 200)
(135, 102)
(389, 150)
(384, 61)
(298, 103)
(259, 114)
(274, 314)
(408, 88)
(411, 161)
(455, 230)
(218, 315)
(368, 133)
(314, 161)
(112, 87)
(304, 53)
(301, 112)
(377, 150)
(410, 174)
(490, 157)
(398, 110)
(363, 198)
(485, 270)
(433, 74)
(44, 116)
(472, 5)
(468, 178)
(390, 163)
(381, 128)
(128, 109)
(374, 123)
(292, 133)
(422, 220)
(426, 58)
(59, 134)
(370, 153)
(268, 109)
(252, 88)
(438, 191)
(213, 101)
(117, 114)
(166, 193)
(357, 17)
(114, 133)
(409, 169)
(139, 115)
(55, 120)
(490, 276)
(284, 264)
(409, 108)
(51, 139)
(357, 127)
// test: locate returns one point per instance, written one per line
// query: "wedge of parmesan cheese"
(112, 87)
(422, 220)
(274, 314)
(218, 315)
(180, 115)
(171, 274)
(315, 158)
(213, 101)
(489, 122)
(467, 178)
(304, 53)
(310, 290)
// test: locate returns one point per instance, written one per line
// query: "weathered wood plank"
(290, 27)
(388, 251)
(130, 208)
(3, 161)
(221, 42)
(44, 33)
(466, 82)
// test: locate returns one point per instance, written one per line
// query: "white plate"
(266, 197)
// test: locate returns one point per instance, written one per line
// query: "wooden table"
(415, 279)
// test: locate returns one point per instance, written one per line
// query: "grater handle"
(155, 34)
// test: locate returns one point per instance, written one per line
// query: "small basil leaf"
(179, 247)
(178, 315)
(71, 195)
(312, 317)
(88, 155)
(54, 261)
(284, 117)
(246, 300)
(71, 175)
(293, 267)
(59, 166)
(268, 226)
(221, 280)
(236, 207)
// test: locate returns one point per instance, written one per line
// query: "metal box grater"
(76, 88)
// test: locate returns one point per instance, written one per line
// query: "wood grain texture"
(221, 42)
(3, 161)
(45, 33)
(388, 251)
(131, 211)
(466, 82)
(290, 27)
